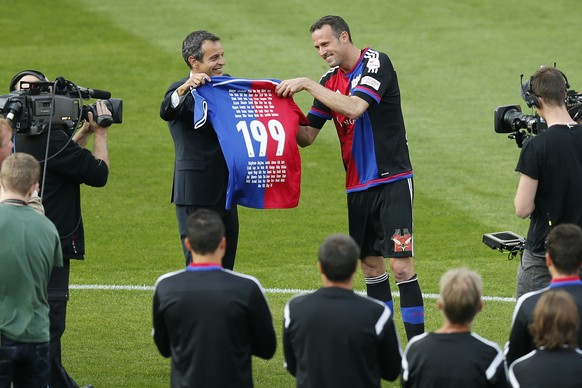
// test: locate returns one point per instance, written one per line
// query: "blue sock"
(412, 307)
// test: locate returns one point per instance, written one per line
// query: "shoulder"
(245, 283)
(297, 302)
(329, 74)
(526, 302)
(372, 57)
(35, 217)
(372, 53)
(487, 343)
(243, 278)
(419, 340)
(166, 278)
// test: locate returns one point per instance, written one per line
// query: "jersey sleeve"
(520, 340)
(160, 331)
(377, 75)
(264, 340)
(528, 160)
(390, 351)
(319, 113)
(77, 164)
(290, 361)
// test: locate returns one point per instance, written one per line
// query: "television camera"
(39, 106)
(520, 126)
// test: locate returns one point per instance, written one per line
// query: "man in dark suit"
(200, 171)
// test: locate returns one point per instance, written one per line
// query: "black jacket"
(200, 171)
(68, 165)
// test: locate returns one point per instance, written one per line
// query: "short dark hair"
(337, 24)
(338, 256)
(550, 84)
(192, 44)
(564, 245)
(205, 231)
(555, 321)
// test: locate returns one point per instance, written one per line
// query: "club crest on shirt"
(402, 241)
(373, 64)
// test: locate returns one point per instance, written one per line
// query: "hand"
(104, 117)
(288, 88)
(193, 82)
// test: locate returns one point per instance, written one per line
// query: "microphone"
(95, 93)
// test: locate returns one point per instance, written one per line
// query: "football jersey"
(374, 146)
(452, 360)
(520, 339)
(257, 132)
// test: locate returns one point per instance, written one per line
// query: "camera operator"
(66, 164)
(550, 184)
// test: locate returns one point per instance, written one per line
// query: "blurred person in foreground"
(550, 167)
(563, 260)
(6, 147)
(6, 144)
(29, 249)
(335, 337)
(68, 164)
(208, 319)
(454, 356)
(360, 93)
(556, 361)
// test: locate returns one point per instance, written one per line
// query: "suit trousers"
(230, 219)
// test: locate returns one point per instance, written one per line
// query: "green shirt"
(29, 249)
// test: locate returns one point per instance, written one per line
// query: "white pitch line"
(291, 291)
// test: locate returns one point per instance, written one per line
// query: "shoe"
(88, 386)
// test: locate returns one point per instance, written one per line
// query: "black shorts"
(380, 219)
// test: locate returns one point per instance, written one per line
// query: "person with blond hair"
(29, 249)
(455, 356)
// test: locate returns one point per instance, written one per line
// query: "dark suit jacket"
(200, 171)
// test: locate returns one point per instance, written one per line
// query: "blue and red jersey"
(374, 146)
(257, 132)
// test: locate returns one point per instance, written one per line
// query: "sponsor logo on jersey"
(374, 83)
(402, 241)
(355, 82)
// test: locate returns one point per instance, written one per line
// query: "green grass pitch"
(456, 62)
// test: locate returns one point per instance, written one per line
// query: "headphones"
(22, 74)
(529, 96)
